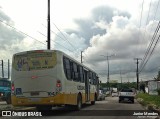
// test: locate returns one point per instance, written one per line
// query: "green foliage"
(149, 99)
(119, 85)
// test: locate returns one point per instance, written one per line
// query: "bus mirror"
(89, 81)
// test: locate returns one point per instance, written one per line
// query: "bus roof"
(40, 51)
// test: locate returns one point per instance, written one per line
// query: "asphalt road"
(109, 108)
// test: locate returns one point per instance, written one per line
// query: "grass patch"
(149, 99)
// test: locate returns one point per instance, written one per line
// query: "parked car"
(107, 93)
(101, 95)
(5, 90)
(126, 95)
(114, 94)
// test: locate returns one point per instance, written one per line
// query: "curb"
(150, 107)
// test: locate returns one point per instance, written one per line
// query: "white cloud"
(94, 27)
(124, 39)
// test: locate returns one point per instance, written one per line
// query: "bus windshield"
(34, 61)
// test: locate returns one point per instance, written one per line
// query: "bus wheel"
(39, 108)
(8, 100)
(93, 102)
(79, 103)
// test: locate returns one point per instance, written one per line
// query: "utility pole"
(48, 30)
(108, 68)
(8, 70)
(2, 69)
(137, 72)
(81, 56)
(108, 72)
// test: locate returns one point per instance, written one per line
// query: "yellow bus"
(46, 78)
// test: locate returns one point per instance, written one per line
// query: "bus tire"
(96, 99)
(8, 99)
(79, 103)
(93, 102)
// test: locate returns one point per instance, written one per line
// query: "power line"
(151, 43)
(140, 26)
(141, 14)
(152, 40)
(56, 42)
(64, 37)
(59, 37)
(143, 63)
(55, 33)
(155, 13)
(147, 19)
(151, 53)
(149, 48)
(156, 9)
(21, 32)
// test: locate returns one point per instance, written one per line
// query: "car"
(107, 93)
(5, 90)
(101, 95)
(126, 95)
(114, 94)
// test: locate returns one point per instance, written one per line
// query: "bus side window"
(81, 74)
(90, 74)
(71, 66)
(75, 72)
(91, 77)
(67, 68)
(94, 79)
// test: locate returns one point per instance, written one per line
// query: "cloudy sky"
(121, 28)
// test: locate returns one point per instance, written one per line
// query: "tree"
(158, 76)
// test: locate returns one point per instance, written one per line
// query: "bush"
(151, 107)
(150, 100)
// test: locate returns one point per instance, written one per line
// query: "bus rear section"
(34, 79)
